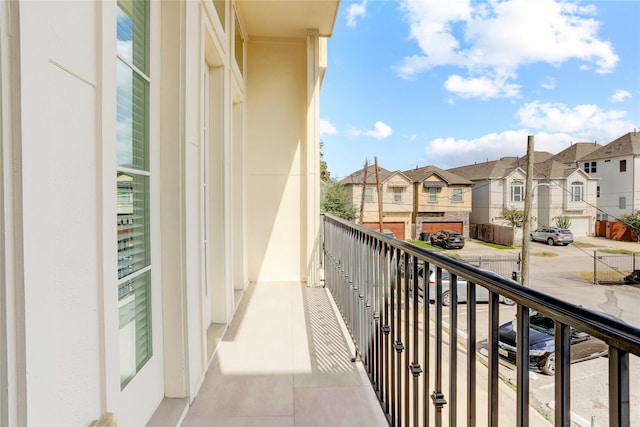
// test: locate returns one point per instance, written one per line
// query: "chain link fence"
(615, 268)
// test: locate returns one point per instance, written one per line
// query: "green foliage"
(336, 200)
(515, 217)
(325, 175)
(633, 222)
(563, 221)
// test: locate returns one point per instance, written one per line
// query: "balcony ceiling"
(287, 18)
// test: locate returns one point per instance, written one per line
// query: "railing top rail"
(612, 331)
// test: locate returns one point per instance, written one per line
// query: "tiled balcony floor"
(285, 361)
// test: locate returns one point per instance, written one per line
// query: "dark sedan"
(542, 344)
(448, 239)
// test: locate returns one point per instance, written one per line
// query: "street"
(557, 275)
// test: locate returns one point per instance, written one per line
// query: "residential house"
(617, 165)
(396, 196)
(156, 158)
(441, 200)
(558, 190)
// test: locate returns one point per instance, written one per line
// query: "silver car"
(482, 294)
(552, 236)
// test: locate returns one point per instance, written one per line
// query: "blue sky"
(449, 83)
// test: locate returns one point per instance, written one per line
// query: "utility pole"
(379, 195)
(364, 190)
(526, 222)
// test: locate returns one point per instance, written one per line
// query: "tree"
(633, 222)
(514, 216)
(336, 200)
(563, 221)
(325, 175)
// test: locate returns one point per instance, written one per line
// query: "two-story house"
(617, 165)
(558, 190)
(396, 195)
(441, 200)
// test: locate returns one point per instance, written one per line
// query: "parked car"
(552, 235)
(448, 239)
(542, 344)
(482, 294)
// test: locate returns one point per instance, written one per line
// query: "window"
(517, 191)
(397, 194)
(132, 181)
(590, 167)
(368, 194)
(577, 191)
(623, 165)
(433, 195)
(239, 45)
(598, 191)
(220, 10)
(622, 203)
(456, 195)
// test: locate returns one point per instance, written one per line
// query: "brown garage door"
(434, 227)
(397, 228)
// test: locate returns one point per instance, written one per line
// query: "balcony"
(356, 352)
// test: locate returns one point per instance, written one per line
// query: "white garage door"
(580, 226)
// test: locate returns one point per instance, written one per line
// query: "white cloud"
(496, 38)
(327, 128)
(450, 152)
(548, 83)
(481, 87)
(619, 96)
(380, 131)
(587, 122)
(355, 11)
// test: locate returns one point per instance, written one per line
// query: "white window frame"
(397, 194)
(577, 191)
(517, 196)
(457, 195)
(368, 194)
(433, 195)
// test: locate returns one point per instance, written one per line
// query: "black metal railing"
(378, 284)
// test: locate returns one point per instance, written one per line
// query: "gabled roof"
(552, 169)
(575, 152)
(358, 176)
(486, 170)
(628, 144)
(421, 174)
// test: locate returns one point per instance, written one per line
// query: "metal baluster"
(563, 374)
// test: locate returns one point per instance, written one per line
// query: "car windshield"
(541, 323)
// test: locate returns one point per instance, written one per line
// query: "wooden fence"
(492, 233)
(614, 230)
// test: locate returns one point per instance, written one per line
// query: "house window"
(623, 165)
(590, 167)
(220, 6)
(622, 202)
(239, 45)
(133, 183)
(577, 191)
(456, 195)
(598, 191)
(433, 195)
(368, 194)
(397, 194)
(517, 191)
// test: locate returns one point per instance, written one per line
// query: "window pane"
(220, 9)
(133, 33)
(433, 195)
(457, 195)
(623, 165)
(135, 326)
(133, 223)
(239, 46)
(132, 100)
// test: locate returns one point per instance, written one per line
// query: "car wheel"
(508, 301)
(550, 241)
(531, 237)
(446, 298)
(549, 365)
